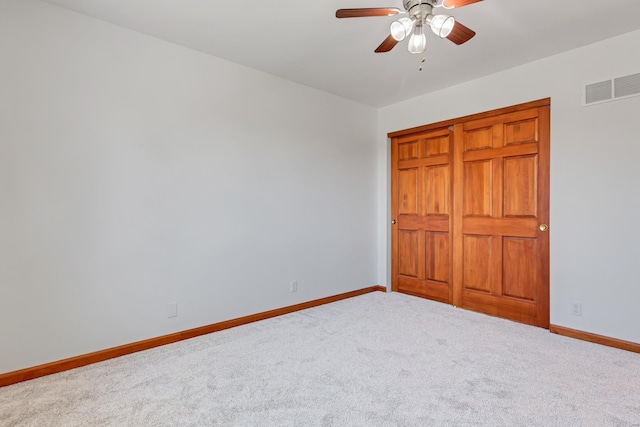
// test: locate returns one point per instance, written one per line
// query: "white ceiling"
(302, 41)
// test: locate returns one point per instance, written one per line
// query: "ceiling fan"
(420, 16)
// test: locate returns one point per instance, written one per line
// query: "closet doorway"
(470, 212)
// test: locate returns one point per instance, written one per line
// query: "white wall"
(135, 172)
(595, 200)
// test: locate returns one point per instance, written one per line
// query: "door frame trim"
(545, 102)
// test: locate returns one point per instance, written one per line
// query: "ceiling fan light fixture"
(418, 41)
(442, 3)
(442, 25)
(419, 13)
(401, 28)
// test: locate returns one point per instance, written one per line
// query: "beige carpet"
(375, 360)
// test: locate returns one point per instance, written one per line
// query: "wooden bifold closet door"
(470, 209)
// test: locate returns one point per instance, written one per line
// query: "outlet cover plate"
(576, 308)
(172, 309)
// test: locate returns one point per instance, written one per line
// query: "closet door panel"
(470, 212)
(504, 202)
(421, 209)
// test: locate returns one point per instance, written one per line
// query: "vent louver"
(598, 92)
(627, 86)
(610, 90)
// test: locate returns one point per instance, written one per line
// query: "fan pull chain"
(421, 62)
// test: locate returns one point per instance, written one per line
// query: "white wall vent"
(627, 86)
(598, 92)
(610, 90)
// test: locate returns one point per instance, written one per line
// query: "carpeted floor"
(375, 360)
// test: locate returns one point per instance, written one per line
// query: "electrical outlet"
(576, 308)
(294, 286)
(172, 309)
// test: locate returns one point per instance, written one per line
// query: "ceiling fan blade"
(461, 34)
(388, 44)
(450, 4)
(366, 12)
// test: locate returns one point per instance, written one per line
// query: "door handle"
(544, 227)
(393, 221)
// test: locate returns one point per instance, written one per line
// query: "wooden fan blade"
(388, 44)
(366, 12)
(450, 4)
(461, 34)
